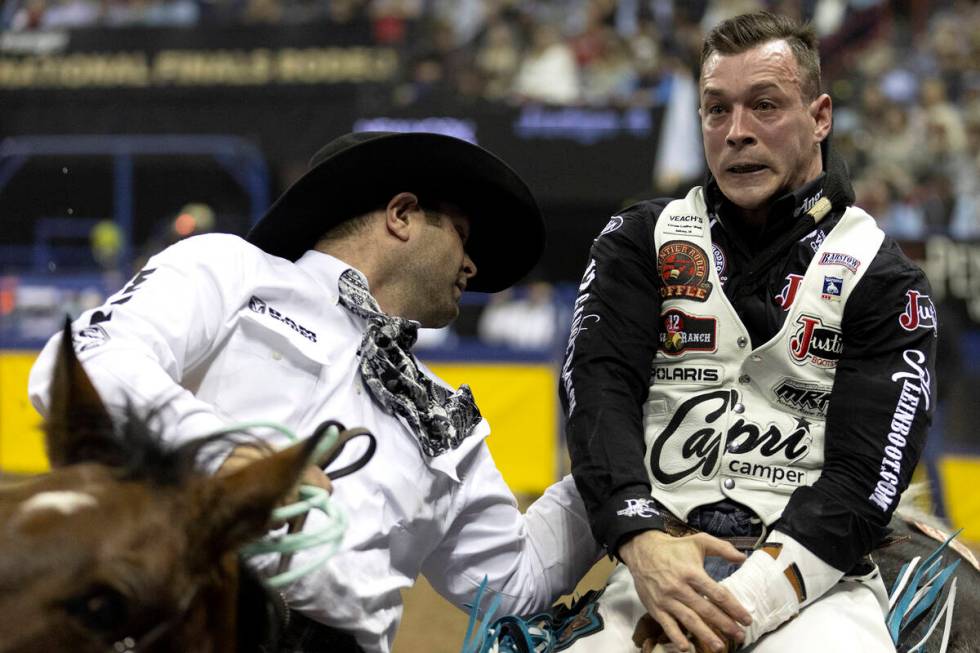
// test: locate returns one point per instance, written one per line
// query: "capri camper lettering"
(692, 443)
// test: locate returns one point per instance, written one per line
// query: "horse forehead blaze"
(65, 502)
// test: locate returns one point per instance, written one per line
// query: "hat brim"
(506, 228)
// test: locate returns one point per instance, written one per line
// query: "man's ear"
(398, 214)
(822, 110)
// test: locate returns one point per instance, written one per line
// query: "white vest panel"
(723, 419)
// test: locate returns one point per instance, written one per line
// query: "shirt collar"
(326, 270)
(833, 183)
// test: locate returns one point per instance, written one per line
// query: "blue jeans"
(724, 520)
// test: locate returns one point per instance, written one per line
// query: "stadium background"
(128, 124)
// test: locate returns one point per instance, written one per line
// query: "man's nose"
(739, 130)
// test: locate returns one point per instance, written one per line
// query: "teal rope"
(310, 498)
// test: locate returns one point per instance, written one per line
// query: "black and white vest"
(723, 419)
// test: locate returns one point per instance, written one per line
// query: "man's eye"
(765, 105)
(100, 608)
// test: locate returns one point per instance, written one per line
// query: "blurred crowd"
(903, 75)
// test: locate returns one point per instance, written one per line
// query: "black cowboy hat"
(360, 172)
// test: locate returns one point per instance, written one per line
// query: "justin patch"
(920, 313)
(683, 332)
(684, 271)
(815, 343)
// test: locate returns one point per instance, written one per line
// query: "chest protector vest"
(723, 419)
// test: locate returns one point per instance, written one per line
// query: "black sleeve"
(879, 412)
(605, 377)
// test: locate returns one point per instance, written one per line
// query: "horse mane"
(139, 453)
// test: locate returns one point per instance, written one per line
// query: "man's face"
(761, 138)
(442, 267)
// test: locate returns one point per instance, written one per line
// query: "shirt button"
(742, 341)
(729, 483)
(739, 408)
(745, 378)
(756, 359)
(276, 356)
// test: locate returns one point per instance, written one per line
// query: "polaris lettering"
(665, 374)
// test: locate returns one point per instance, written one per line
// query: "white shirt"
(215, 332)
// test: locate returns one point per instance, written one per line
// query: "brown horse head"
(124, 546)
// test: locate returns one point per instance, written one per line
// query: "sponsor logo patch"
(787, 295)
(684, 271)
(832, 288)
(815, 343)
(916, 389)
(684, 225)
(683, 332)
(808, 203)
(89, 337)
(696, 374)
(262, 308)
(257, 305)
(816, 238)
(807, 398)
(837, 258)
(580, 322)
(639, 508)
(920, 313)
(614, 223)
(721, 262)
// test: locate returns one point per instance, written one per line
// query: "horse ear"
(79, 428)
(236, 507)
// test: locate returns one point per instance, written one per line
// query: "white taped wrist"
(764, 590)
(815, 575)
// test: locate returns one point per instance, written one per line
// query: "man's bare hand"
(669, 576)
(245, 454)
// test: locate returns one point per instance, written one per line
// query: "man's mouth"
(745, 168)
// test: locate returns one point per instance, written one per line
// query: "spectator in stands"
(525, 320)
(497, 59)
(548, 72)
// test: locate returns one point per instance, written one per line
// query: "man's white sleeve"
(138, 346)
(530, 559)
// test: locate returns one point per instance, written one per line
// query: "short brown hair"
(741, 33)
